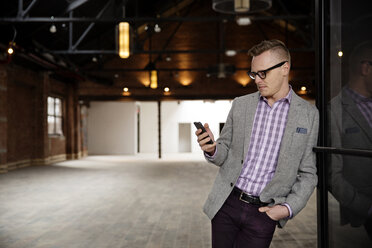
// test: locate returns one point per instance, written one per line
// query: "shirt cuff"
(289, 209)
(209, 156)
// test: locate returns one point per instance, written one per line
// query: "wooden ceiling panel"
(187, 52)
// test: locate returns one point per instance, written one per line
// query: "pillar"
(3, 120)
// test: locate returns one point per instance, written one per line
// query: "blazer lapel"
(290, 127)
(249, 118)
(352, 109)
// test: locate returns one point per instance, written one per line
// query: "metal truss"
(17, 19)
(22, 17)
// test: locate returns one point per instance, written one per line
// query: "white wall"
(184, 137)
(148, 127)
(112, 128)
(174, 112)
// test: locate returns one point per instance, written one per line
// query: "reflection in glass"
(350, 177)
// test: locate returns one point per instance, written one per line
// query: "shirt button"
(241, 161)
(231, 184)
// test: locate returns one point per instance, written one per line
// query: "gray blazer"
(295, 176)
(350, 176)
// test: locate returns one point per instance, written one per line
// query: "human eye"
(261, 74)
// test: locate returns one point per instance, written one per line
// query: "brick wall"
(24, 138)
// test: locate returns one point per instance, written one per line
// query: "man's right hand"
(203, 138)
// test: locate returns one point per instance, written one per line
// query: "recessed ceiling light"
(230, 53)
(243, 20)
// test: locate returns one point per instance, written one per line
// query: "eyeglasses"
(262, 74)
(367, 61)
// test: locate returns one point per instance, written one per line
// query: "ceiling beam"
(25, 13)
(75, 4)
(298, 68)
(20, 9)
(147, 19)
(174, 32)
(91, 25)
(68, 52)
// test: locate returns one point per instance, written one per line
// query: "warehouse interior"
(97, 145)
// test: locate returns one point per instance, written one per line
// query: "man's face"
(276, 82)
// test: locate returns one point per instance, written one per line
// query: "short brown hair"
(276, 46)
(363, 51)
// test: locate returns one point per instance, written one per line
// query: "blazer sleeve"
(306, 175)
(343, 190)
(224, 141)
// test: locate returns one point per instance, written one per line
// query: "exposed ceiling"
(189, 52)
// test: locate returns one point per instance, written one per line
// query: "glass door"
(344, 61)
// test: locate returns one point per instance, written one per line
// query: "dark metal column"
(3, 119)
(159, 127)
(322, 192)
(70, 32)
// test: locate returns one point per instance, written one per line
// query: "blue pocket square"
(301, 130)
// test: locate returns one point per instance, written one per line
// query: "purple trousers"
(240, 225)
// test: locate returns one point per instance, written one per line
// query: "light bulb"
(10, 50)
(53, 29)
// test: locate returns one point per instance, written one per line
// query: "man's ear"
(286, 68)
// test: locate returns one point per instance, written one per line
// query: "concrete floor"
(120, 201)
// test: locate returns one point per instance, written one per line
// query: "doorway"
(184, 137)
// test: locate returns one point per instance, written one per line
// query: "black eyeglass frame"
(366, 61)
(253, 74)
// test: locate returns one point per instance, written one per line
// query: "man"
(267, 166)
(350, 121)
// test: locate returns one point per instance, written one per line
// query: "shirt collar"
(288, 97)
(357, 98)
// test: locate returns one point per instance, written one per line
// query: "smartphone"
(199, 125)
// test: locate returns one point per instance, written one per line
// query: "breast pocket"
(299, 141)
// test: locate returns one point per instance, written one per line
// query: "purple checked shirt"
(263, 152)
(364, 105)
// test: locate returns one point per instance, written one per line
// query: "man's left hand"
(275, 212)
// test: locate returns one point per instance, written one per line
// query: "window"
(54, 116)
